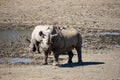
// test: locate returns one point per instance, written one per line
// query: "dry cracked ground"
(98, 21)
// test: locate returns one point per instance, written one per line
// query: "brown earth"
(92, 18)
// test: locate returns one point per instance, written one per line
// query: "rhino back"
(70, 37)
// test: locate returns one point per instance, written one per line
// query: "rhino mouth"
(44, 46)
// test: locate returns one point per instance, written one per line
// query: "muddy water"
(21, 35)
(102, 39)
(117, 46)
(13, 35)
(13, 42)
(109, 33)
(110, 37)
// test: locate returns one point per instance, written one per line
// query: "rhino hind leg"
(45, 61)
(79, 52)
(70, 54)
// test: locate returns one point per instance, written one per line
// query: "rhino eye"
(41, 33)
(43, 36)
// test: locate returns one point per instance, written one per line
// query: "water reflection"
(15, 60)
(109, 33)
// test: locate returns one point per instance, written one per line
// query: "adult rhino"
(60, 41)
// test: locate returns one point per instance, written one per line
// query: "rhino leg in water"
(70, 54)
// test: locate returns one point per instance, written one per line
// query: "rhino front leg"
(79, 52)
(34, 46)
(37, 47)
(45, 61)
(55, 62)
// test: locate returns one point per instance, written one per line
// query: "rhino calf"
(60, 41)
(36, 38)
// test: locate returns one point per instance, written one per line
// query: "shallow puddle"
(110, 38)
(117, 46)
(15, 60)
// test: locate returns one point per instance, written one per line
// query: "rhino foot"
(55, 64)
(70, 62)
(44, 63)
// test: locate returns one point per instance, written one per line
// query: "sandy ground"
(101, 53)
(105, 65)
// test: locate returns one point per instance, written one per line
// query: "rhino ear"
(40, 33)
(48, 28)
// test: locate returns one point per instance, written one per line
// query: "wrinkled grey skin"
(59, 41)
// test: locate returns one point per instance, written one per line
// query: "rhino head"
(47, 40)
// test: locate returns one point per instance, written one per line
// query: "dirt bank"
(88, 13)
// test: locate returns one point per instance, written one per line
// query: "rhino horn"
(54, 35)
